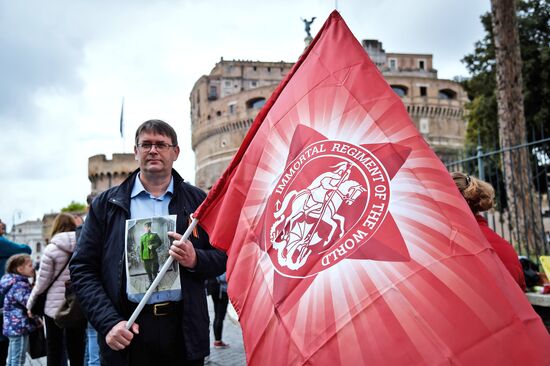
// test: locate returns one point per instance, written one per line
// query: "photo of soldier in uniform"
(147, 245)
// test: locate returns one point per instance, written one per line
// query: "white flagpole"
(159, 277)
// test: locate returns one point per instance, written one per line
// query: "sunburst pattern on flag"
(449, 300)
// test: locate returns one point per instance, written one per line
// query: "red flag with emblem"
(348, 242)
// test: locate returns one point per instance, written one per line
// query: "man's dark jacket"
(98, 268)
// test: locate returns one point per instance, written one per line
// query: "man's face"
(147, 228)
(2, 229)
(155, 161)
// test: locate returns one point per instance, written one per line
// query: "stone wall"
(104, 173)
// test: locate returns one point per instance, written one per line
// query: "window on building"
(269, 69)
(423, 91)
(218, 113)
(232, 108)
(38, 247)
(253, 83)
(212, 93)
(400, 90)
(446, 94)
(421, 64)
(255, 103)
(254, 68)
(393, 63)
(227, 83)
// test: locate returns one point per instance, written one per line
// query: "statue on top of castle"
(307, 24)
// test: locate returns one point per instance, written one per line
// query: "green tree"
(534, 34)
(74, 207)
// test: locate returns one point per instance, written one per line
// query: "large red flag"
(348, 242)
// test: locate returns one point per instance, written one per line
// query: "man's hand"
(183, 251)
(119, 337)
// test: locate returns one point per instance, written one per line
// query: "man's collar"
(138, 187)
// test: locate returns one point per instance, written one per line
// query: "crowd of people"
(173, 327)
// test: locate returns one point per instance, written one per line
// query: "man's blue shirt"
(143, 205)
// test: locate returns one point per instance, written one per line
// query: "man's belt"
(163, 308)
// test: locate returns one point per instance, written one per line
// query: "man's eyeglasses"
(161, 147)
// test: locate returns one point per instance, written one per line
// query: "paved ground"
(232, 356)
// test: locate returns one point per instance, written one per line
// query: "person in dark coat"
(175, 330)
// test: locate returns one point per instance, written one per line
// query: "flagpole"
(159, 277)
(122, 124)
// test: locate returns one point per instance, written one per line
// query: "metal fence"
(530, 234)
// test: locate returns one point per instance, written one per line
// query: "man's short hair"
(148, 224)
(158, 127)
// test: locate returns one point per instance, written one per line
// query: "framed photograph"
(147, 244)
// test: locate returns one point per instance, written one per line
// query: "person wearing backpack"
(53, 273)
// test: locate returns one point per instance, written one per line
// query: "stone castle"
(225, 102)
(104, 173)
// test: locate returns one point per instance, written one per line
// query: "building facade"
(436, 106)
(223, 106)
(225, 103)
(30, 233)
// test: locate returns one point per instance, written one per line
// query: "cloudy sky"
(66, 65)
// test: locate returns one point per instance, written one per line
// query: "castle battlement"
(105, 173)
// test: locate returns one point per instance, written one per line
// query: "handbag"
(70, 314)
(37, 343)
(39, 304)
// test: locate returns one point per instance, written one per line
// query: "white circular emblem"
(327, 203)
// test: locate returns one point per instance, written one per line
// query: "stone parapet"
(104, 173)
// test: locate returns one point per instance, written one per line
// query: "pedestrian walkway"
(234, 355)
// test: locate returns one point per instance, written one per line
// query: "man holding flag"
(173, 328)
(387, 271)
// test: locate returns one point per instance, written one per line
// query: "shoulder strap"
(57, 276)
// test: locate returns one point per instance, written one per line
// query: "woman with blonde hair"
(53, 263)
(480, 196)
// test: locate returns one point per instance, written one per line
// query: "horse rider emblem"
(320, 201)
(329, 200)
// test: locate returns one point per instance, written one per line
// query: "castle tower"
(223, 106)
(436, 106)
(104, 173)
(225, 102)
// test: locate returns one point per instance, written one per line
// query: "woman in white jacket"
(54, 260)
